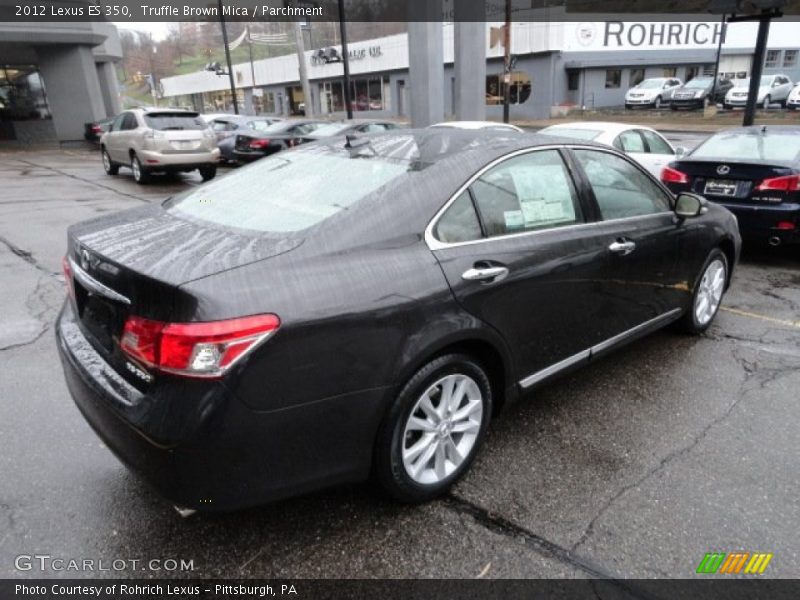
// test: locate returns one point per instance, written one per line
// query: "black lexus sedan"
(253, 144)
(697, 93)
(752, 171)
(365, 306)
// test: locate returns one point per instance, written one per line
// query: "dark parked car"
(697, 93)
(252, 145)
(347, 127)
(228, 127)
(347, 309)
(94, 130)
(752, 171)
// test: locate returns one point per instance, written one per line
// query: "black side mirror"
(689, 205)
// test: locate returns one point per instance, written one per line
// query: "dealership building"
(557, 66)
(54, 77)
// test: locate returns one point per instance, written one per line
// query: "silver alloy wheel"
(657, 102)
(106, 161)
(136, 168)
(709, 293)
(442, 428)
(767, 102)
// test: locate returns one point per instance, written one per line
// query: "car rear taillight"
(206, 349)
(785, 225)
(670, 175)
(787, 183)
(66, 268)
(259, 144)
(97, 129)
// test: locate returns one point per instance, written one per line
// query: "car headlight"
(699, 94)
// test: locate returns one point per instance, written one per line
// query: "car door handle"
(487, 274)
(622, 247)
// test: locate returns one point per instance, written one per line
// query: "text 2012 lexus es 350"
(365, 305)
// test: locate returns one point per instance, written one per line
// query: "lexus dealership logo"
(586, 33)
(723, 170)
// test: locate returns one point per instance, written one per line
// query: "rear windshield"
(329, 130)
(174, 121)
(751, 146)
(577, 133)
(288, 192)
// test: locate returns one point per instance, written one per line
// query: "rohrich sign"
(619, 34)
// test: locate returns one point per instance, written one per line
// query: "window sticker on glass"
(544, 194)
(514, 219)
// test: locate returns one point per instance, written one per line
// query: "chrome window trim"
(95, 286)
(596, 349)
(435, 244)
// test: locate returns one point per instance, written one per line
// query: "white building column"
(426, 62)
(470, 60)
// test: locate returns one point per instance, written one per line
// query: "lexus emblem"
(723, 170)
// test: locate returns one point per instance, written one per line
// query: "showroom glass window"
(621, 189)
(525, 193)
(637, 77)
(613, 78)
(22, 94)
(519, 91)
(773, 58)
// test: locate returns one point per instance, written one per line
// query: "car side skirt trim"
(584, 355)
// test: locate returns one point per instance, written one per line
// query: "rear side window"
(459, 223)
(129, 122)
(174, 121)
(621, 189)
(287, 192)
(525, 193)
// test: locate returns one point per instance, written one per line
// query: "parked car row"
(700, 92)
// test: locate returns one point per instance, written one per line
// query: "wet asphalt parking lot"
(633, 467)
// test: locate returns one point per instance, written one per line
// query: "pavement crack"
(85, 180)
(500, 525)
(27, 256)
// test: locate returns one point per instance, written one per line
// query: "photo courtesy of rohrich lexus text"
(415, 299)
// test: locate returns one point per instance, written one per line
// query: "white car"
(793, 101)
(474, 125)
(646, 146)
(652, 92)
(772, 88)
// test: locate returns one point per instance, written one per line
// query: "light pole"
(348, 103)
(228, 58)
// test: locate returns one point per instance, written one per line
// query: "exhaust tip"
(774, 241)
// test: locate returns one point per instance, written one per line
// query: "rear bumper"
(205, 449)
(191, 160)
(759, 222)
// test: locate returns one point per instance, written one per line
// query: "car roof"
(605, 126)
(476, 125)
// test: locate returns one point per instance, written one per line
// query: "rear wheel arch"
(488, 353)
(729, 250)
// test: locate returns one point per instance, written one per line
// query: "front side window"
(117, 124)
(621, 189)
(655, 143)
(630, 141)
(528, 192)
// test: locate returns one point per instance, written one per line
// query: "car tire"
(657, 103)
(421, 449)
(628, 107)
(140, 174)
(208, 172)
(708, 291)
(109, 166)
(726, 106)
(783, 103)
(765, 104)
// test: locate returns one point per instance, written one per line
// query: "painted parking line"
(752, 315)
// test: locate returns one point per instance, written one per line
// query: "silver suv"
(152, 140)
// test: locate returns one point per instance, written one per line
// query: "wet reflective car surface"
(364, 306)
